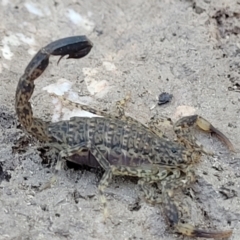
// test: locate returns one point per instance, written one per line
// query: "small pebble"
(164, 98)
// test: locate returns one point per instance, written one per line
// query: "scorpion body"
(119, 144)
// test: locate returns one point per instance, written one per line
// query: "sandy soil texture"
(190, 49)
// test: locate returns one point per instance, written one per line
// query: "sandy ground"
(190, 49)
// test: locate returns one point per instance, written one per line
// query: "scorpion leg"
(150, 194)
(68, 152)
(172, 211)
(84, 107)
(153, 125)
(107, 176)
(63, 151)
(161, 123)
(121, 113)
(120, 105)
(183, 125)
(120, 108)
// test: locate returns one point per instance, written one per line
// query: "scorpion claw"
(172, 214)
(191, 231)
(204, 125)
(222, 137)
(208, 127)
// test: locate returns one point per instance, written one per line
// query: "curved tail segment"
(74, 47)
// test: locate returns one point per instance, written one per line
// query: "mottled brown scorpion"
(119, 144)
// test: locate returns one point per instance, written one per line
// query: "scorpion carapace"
(120, 144)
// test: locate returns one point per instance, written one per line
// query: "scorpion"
(118, 143)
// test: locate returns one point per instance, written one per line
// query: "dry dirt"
(190, 49)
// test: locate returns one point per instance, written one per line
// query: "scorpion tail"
(74, 47)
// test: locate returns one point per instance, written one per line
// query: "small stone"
(164, 98)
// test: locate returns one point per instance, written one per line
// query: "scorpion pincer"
(119, 144)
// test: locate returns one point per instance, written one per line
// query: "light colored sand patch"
(14, 40)
(38, 10)
(6, 66)
(94, 86)
(90, 72)
(57, 110)
(32, 8)
(11, 39)
(60, 112)
(109, 66)
(60, 87)
(183, 110)
(23, 38)
(99, 88)
(6, 52)
(32, 51)
(29, 26)
(4, 2)
(80, 20)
